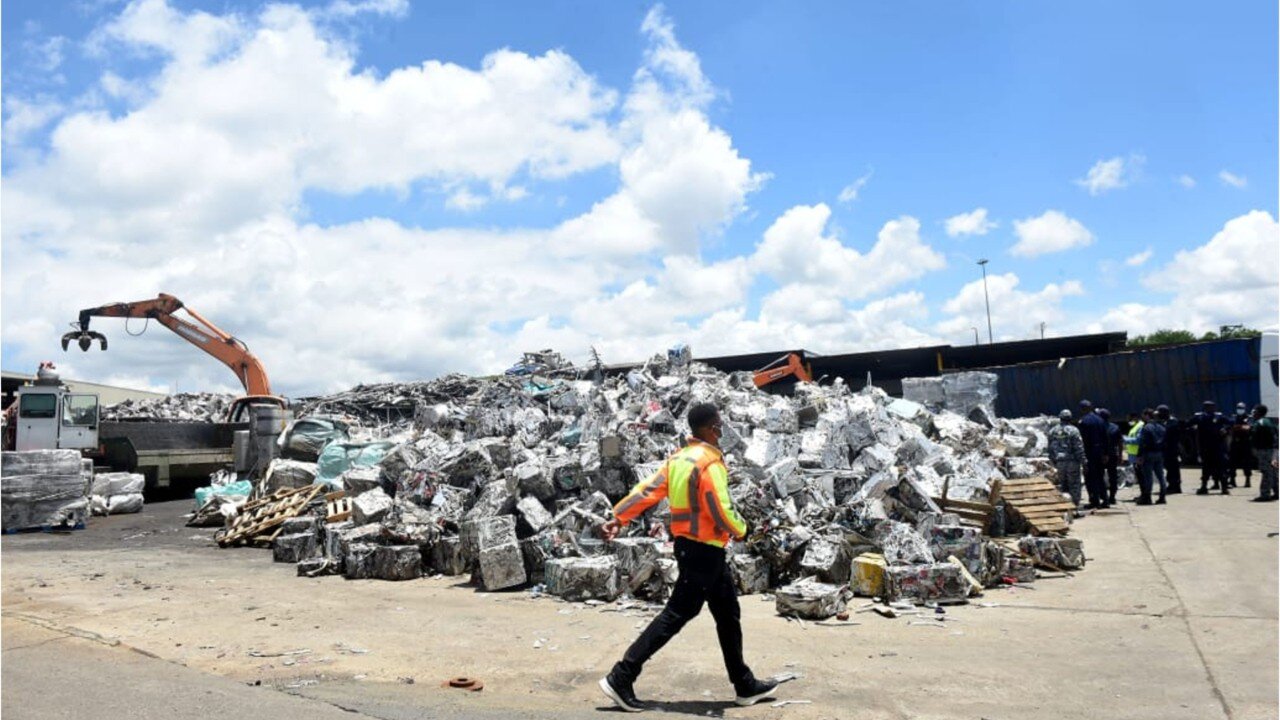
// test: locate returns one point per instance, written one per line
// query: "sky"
(389, 190)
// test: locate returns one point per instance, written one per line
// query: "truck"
(47, 415)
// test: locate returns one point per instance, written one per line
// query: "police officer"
(1240, 454)
(1211, 437)
(1093, 431)
(1150, 457)
(1066, 452)
(703, 520)
(1115, 443)
(1172, 448)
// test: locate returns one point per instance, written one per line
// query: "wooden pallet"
(1036, 501)
(337, 507)
(972, 514)
(260, 520)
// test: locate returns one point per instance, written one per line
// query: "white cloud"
(1015, 314)
(795, 250)
(850, 192)
(1112, 174)
(974, 222)
(1139, 259)
(1186, 181)
(1232, 279)
(347, 8)
(1049, 233)
(1230, 178)
(197, 190)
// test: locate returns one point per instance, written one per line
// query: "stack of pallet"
(1036, 502)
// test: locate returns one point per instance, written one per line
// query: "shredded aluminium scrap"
(509, 477)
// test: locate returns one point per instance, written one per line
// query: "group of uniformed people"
(1094, 446)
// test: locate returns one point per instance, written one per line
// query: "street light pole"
(983, 263)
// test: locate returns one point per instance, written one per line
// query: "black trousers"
(1094, 482)
(704, 578)
(1213, 466)
(1173, 472)
(1113, 478)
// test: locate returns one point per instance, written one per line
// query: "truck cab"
(49, 417)
(1269, 371)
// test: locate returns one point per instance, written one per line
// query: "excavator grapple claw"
(84, 338)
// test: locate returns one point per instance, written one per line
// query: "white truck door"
(37, 419)
(79, 422)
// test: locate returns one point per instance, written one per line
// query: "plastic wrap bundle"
(117, 493)
(283, 474)
(43, 488)
(306, 438)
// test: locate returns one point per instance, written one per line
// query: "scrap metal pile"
(188, 407)
(509, 478)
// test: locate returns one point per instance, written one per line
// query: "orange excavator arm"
(203, 334)
(788, 366)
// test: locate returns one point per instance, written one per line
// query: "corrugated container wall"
(1182, 377)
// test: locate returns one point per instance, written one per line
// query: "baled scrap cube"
(826, 560)
(750, 574)
(358, 563)
(809, 599)
(447, 557)
(583, 578)
(965, 543)
(300, 524)
(360, 479)
(495, 499)
(868, 575)
(1062, 553)
(936, 582)
(294, 548)
(501, 567)
(532, 480)
(637, 558)
(370, 507)
(534, 515)
(397, 562)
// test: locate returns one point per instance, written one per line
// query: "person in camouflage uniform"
(1066, 452)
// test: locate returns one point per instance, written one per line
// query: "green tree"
(1162, 337)
(1174, 337)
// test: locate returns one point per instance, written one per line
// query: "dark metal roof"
(969, 357)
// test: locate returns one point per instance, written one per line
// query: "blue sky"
(740, 176)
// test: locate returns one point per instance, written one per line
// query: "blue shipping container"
(1182, 377)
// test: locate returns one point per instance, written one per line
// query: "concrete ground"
(138, 616)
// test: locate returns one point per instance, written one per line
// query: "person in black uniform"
(1111, 460)
(1240, 454)
(1172, 444)
(1211, 437)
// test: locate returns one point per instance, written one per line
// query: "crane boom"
(202, 333)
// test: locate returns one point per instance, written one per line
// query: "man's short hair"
(1260, 409)
(701, 415)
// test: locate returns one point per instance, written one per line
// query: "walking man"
(1066, 452)
(1211, 437)
(1172, 446)
(695, 482)
(1093, 431)
(1150, 457)
(1263, 439)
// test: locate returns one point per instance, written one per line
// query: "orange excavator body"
(787, 366)
(202, 333)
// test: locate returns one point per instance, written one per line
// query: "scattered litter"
(784, 703)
